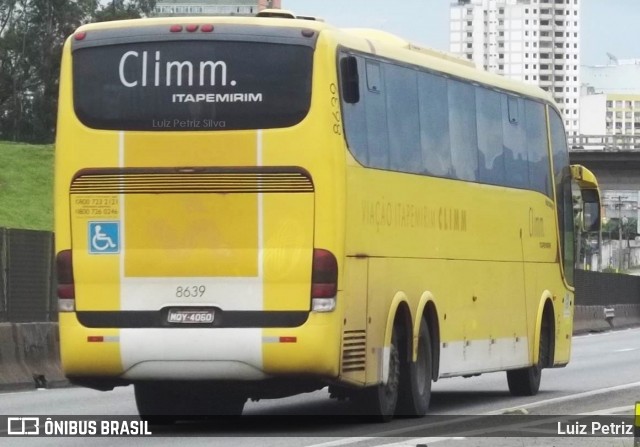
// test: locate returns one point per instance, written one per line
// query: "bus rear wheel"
(415, 383)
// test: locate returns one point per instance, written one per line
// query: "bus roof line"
(393, 40)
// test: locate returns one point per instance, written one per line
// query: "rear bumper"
(201, 353)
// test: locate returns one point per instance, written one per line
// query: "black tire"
(526, 381)
(415, 377)
(227, 405)
(379, 402)
(166, 402)
(156, 404)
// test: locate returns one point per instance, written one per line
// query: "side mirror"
(350, 81)
(591, 210)
(590, 193)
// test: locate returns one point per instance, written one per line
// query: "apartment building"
(534, 41)
(610, 102)
(213, 7)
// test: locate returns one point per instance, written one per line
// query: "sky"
(608, 26)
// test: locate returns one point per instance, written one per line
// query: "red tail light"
(64, 270)
(324, 276)
(191, 28)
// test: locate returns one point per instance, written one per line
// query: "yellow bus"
(254, 207)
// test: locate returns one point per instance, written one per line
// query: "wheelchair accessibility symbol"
(104, 237)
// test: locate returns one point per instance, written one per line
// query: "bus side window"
(376, 112)
(354, 113)
(538, 148)
(434, 125)
(489, 123)
(516, 159)
(401, 89)
(463, 132)
(374, 83)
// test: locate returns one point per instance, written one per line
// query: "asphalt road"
(602, 378)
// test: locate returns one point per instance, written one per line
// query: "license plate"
(201, 316)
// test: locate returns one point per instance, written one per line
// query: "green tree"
(33, 45)
(6, 11)
(612, 227)
(32, 34)
(125, 9)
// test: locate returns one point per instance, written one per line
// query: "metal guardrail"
(27, 290)
(610, 143)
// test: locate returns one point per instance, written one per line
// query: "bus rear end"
(188, 165)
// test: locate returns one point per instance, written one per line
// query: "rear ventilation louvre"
(192, 180)
(354, 350)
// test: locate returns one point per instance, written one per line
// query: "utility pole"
(619, 206)
(600, 250)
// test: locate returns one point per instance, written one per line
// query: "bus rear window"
(192, 85)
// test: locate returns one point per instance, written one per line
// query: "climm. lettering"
(452, 219)
(177, 73)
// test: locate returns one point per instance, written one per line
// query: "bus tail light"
(191, 28)
(324, 281)
(66, 285)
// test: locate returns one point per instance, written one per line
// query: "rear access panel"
(225, 239)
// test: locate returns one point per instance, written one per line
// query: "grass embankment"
(26, 186)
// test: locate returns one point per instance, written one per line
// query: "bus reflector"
(66, 305)
(323, 304)
(66, 285)
(175, 28)
(95, 338)
(288, 339)
(324, 280)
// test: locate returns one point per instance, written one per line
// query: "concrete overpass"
(615, 160)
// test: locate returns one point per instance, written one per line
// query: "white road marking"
(462, 419)
(616, 410)
(569, 397)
